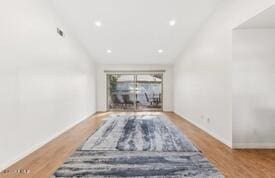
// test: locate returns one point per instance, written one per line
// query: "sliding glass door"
(134, 92)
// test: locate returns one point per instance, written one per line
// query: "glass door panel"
(149, 92)
(121, 92)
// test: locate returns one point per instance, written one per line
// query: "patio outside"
(135, 92)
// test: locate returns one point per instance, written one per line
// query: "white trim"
(39, 145)
(254, 145)
(213, 134)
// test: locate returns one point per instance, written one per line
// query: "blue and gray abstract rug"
(139, 146)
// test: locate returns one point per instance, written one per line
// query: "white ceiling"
(134, 30)
(266, 19)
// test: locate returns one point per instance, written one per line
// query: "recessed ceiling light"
(172, 22)
(109, 51)
(160, 51)
(98, 23)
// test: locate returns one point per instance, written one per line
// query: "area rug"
(137, 146)
(137, 164)
(138, 133)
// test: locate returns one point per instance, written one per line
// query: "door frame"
(134, 73)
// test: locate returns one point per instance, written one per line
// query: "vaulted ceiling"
(134, 31)
(265, 19)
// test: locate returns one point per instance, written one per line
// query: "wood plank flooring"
(232, 163)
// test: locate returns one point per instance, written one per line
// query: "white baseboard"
(254, 145)
(39, 145)
(213, 134)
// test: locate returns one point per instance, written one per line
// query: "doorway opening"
(135, 92)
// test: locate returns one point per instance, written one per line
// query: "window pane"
(121, 94)
(149, 92)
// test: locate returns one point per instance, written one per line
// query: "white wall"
(253, 88)
(167, 83)
(203, 73)
(47, 83)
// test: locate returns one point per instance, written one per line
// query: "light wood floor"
(232, 163)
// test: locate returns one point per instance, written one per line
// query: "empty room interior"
(137, 88)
